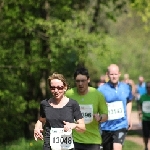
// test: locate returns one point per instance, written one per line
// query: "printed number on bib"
(87, 113)
(146, 106)
(115, 110)
(60, 140)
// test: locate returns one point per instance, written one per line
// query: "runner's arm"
(140, 107)
(39, 129)
(129, 109)
(80, 125)
(101, 117)
(103, 108)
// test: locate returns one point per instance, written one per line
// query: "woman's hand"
(69, 126)
(39, 129)
(38, 134)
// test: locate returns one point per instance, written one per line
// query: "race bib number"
(146, 107)
(115, 110)
(61, 140)
(87, 113)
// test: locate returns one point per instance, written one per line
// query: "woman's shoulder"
(44, 102)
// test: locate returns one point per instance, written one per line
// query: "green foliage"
(11, 110)
(143, 10)
(36, 40)
(130, 42)
(74, 44)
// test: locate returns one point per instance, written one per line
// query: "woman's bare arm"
(39, 129)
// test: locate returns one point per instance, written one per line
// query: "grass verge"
(129, 145)
(23, 144)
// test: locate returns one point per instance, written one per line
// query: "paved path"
(136, 129)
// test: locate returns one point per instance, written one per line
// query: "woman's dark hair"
(82, 71)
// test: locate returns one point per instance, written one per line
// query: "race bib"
(115, 110)
(61, 140)
(87, 113)
(146, 107)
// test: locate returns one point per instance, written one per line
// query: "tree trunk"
(95, 16)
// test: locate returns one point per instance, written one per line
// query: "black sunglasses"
(57, 87)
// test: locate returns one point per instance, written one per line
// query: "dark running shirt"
(56, 116)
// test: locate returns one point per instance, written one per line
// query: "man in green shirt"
(93, 108)
(145, 111)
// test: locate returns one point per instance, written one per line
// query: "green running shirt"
(95, 99)
(145, 103)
